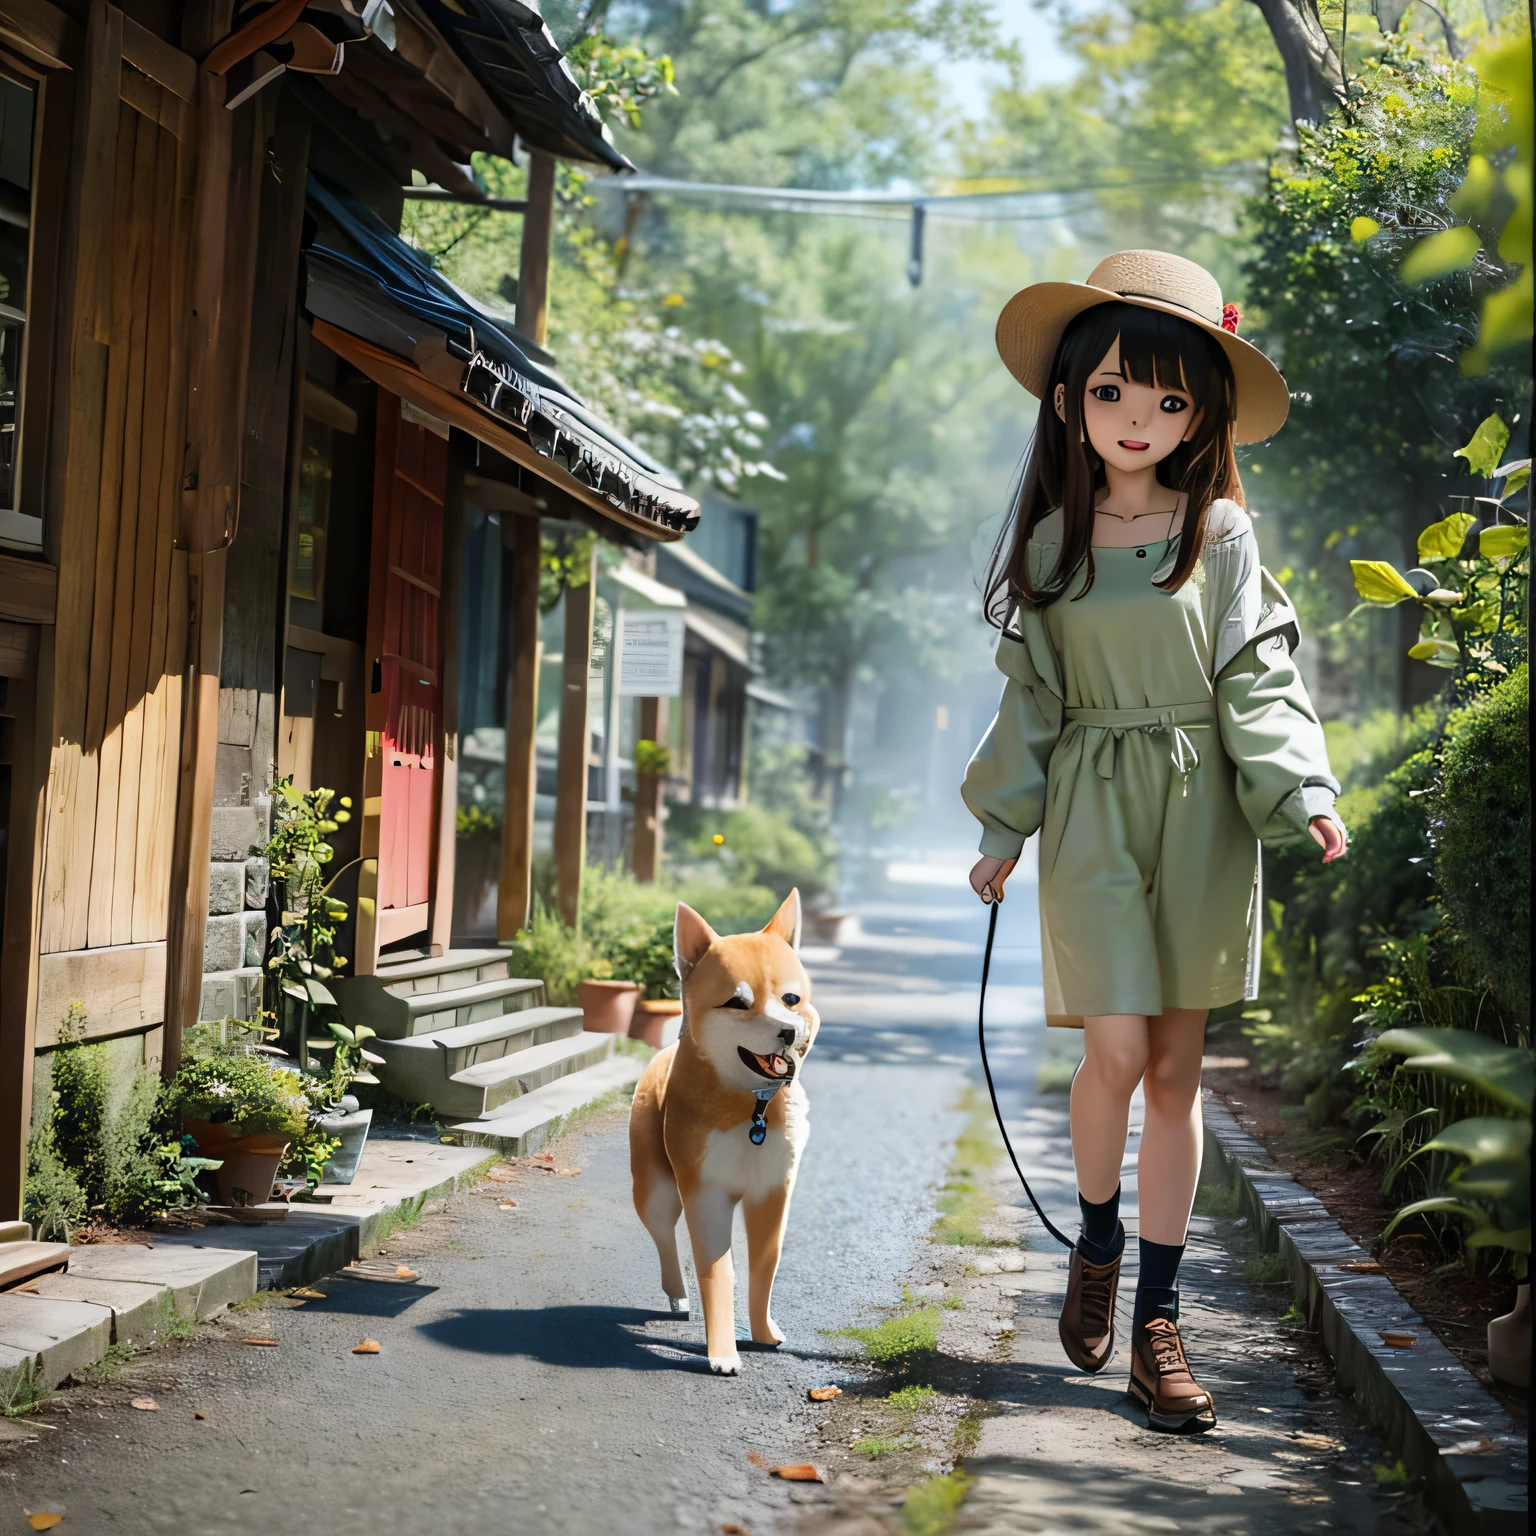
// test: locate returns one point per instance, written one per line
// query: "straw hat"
(1031, 324)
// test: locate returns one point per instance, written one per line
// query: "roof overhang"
(543, 443)
(719, 634)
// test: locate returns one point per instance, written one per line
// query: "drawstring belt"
(1176, 720)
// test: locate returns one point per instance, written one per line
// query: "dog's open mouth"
(777, 1067)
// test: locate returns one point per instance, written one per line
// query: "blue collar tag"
(757, 1132)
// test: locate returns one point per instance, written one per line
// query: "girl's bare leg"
(1116, 1052)
(1171, 1134)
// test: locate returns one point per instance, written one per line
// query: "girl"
(1154, 729)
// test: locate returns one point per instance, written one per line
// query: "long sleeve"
(1272, 734)
(1004, 786)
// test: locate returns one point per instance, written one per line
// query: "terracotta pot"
(826, 927)
(658, 1021)
(250, 1163)
(608, 1006)
(1509, 1341)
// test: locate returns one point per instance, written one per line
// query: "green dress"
(1154, 739)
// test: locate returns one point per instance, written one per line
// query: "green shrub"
(1482, 834)
(248, 1093)
(93, 1152)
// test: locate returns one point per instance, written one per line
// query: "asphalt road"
(529, 1381)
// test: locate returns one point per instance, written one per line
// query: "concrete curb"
(1448, 1429)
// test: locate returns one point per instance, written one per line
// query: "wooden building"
(240, 424)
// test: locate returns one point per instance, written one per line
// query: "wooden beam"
(533, 264)
(165, 65)
(461, 454)
(649, 794)
(29, 590)
(571, 766)
(520, 597)
(26, 703)
(41, 31)
(220, 289)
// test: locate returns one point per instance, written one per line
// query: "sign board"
(650, 653)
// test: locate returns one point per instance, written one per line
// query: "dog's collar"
(757, 1132)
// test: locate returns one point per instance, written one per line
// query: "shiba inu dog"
(720, 1118)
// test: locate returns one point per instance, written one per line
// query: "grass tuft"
(931, 1507)
(877, 1446)
(904, 1345)
(1266, 1269)
(964, 1203)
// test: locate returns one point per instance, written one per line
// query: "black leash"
(981, 1035)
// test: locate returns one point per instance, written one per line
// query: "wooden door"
(405, 689)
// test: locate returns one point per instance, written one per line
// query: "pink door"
(405, 690)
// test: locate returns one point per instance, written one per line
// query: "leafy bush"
(89, 1155)
(650, 960)
(1482, 834)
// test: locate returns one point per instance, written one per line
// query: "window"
(18, 103)
(306, 585)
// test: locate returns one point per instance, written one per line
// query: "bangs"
(1156, 349)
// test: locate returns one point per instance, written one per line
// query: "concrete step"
(496, 1083)
(538, 1117)
(418, 1068)
(22, 1260)
(443, 973)
(419, 1013)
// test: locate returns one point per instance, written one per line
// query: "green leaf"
(361, 1032)
(1438, 653)
(1377, 581)
(1363, 229)
(1483, 1139)
(1502, 542)
(1491, 1237)
(319, 994)
(1438, 1205)
(341, 1032)
(1443, 540)
(1452, 250)
(1486, 447)
(1508, 1183)
(1477, 618)
(293, 989)
(1502, 1072)
(1477, 190)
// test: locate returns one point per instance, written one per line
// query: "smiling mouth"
(1134, 447)
(777, 1068)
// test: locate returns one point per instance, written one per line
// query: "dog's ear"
(786, 921)
(691, 937)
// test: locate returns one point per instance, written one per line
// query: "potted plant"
(607, 1005)
(650, 962)
(246, 1110)
(337, 1114)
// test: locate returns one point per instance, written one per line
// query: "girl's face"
(1132, 426)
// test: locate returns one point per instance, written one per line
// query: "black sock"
(1157, 1283)
(1103, 1238)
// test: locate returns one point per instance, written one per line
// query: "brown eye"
(792, 999)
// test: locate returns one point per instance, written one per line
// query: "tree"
(1314, 77)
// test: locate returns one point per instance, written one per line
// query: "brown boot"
(1087, 1324)
(1162, 1382)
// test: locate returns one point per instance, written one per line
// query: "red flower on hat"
(1230, 315)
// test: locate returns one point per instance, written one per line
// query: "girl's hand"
(988, 877)
(1326, 833)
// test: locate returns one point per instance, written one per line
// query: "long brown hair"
(1062, 470)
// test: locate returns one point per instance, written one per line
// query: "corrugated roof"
(365, 280)
(512, 52)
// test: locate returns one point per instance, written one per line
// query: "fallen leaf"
(824, 1394)
(368, 1347)
(405, 1272)
(758, 1459)
(734, 1530)
(44, 1521)
(305, 1293)
(264, 1343)
(447, 1141)
(1399, 1340)
(1363, 1267)
(148, 1404)
(506, 1205)
(568, 1173)
(799, 1472)
(197, 1413)
(1475, 1447)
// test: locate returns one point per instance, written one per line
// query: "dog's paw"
(679, 1305)
(769, 1336)
(725, 1365)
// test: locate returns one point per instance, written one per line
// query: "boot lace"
(1096, 1299)
(1167, 1347)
